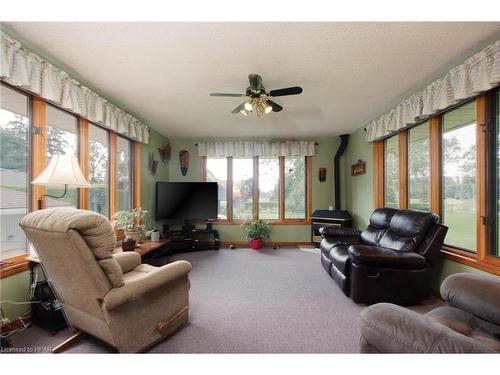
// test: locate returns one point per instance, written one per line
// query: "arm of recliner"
(137, 288)
(377, 256)
(476, 294)
(127, 260)
(339, 232)
(388, 328)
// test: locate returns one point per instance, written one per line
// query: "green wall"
(359, 189)
(322, 195)
(15, 288)
(359, 195)
(148, 181)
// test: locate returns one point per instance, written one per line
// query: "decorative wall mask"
(322, 174)
(165, 152)
(184, 161)
(152, 164)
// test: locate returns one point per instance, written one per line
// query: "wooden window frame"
(37, 163)
(481, 258)
(255, 192)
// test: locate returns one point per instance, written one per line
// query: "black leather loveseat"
(389, 261)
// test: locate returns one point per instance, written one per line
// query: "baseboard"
(267, 244)
(15, 324)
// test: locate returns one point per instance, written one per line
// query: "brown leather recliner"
(389, 261)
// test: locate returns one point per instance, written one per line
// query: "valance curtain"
(251, 149)
(477, 74)
(25, 69)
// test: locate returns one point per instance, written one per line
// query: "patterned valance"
(25, 69)
(477, 74)
(224, 149)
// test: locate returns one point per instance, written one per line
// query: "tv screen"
(186, 200)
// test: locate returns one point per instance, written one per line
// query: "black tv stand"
(189, 238)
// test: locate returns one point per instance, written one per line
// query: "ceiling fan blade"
(275, 106)
(287, 91)
(225, 94)
(255, 81)
(238, 108)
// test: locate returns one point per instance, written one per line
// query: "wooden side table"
(146, 247)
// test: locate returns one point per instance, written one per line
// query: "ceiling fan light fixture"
(244, 112)
(248, 106)
(267, 108)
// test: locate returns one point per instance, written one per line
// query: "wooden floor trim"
(267, 244)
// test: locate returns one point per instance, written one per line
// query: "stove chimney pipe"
(336, 168)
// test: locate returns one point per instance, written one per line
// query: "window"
(419, 167)
(295, 188)
(495, 224)
(496, 251)
(99, 170)
(14, 172)
(391, 167)
(242, 188)
(217, 172)
(459, 176)
(267, 188)
(124, 173)
(105, 158)
(61, 138)
(452, 167)
(269, 178)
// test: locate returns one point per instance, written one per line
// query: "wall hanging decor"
(184, 161)
(322, 174)
(359, 168)
(152, 164)
(165, 152)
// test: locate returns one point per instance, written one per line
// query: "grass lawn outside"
(461, 229)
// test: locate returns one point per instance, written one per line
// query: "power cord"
(16, 330)
(19, 302)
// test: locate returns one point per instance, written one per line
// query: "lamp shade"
(62, 170)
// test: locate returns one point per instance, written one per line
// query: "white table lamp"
(62, 170)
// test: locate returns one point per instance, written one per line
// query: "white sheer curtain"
(224, 149)
(25, 69)
(477, 74)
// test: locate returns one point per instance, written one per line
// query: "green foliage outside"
(295, 193)
(462, 229)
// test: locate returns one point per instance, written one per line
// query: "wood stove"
(336, 217)
(327, 218)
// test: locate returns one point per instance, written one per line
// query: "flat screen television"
(186, 200)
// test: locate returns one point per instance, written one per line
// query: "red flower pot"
(256, 244)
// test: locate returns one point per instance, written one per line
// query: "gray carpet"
(245, 301)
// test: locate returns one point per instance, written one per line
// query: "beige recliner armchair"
(129, 305)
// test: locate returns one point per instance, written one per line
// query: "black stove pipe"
(336, 168)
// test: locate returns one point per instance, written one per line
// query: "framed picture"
(359, 168)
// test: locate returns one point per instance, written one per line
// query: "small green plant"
(130, 221)
(257, 230)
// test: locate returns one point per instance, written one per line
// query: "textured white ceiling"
(163, 72)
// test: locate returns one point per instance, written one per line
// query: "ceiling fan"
(258, 98)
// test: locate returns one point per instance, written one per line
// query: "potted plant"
(131, 222)
(153, 233)
(256, 232)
